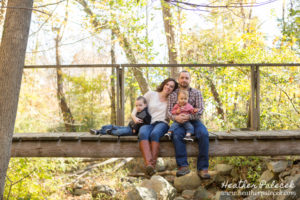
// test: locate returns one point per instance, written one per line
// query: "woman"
(149, 135)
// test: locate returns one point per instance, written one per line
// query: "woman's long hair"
(161, 86)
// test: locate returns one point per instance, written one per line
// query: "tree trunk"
(66, 112)
(113, 118)
(170, 36)
(137, 72)
(12, 56)
(2, 11)
(216, 96)
(124, 43)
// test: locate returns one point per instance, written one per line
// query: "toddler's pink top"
(186, 109)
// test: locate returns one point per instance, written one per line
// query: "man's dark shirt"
(143, 115)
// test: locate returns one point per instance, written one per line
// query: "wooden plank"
(257, 100)
(85, 136)
(102, 149)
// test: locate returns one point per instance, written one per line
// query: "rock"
(161, 186)
(223, 169)
(267, 176)
(79, 192)
(201, 193)
(223, 196)
(170, 178)
(188, 182)
(188, 194)
(103, 189)
(235, 173)
(277, 166)
(218, 179)
(170, 163)
(296, 181)
(179, 198)
(160, 165)
(141, 193)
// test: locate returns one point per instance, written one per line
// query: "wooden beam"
(255, 98)
(99, 149)
(167, 65)
(238, 143)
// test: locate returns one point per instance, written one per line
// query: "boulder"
(188, 182)
(202, 193)
(223, 196)
(161, 186)
(160, 165)
(223, 169)
(277, 166)
(267, 176)
(103, 189)
(79, 192)
(188, 194)
(141, 193)
(179, 198)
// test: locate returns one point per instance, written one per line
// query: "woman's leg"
(158, 131)
(144, 135)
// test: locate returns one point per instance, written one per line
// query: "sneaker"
(94, 132)
(203, 174)
(168, 135)
(182, 171)
(188, 138)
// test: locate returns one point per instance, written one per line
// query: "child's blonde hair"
(184, 92)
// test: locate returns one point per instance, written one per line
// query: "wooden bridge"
(235, 143)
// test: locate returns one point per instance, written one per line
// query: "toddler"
(182, 106)
(132, 128)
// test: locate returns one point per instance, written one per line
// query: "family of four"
(150, 118)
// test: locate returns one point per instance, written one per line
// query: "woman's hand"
(137, 120)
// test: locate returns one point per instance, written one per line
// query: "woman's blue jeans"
(201, 134)
(153, 131)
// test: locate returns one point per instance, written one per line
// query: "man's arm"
(171, 102)
(199, 105)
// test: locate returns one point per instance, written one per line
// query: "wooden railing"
(254, 116)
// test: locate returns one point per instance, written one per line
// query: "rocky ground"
(279, 180)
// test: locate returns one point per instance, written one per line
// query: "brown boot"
(155, 152)
(146, 152)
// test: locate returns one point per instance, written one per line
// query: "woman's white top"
(156, 108)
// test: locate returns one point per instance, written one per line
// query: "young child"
(184, 107)
(132, 128)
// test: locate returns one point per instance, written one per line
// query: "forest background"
(153, 32)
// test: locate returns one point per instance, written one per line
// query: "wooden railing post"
(255, 98)
(120, 96)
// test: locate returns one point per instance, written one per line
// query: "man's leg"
(180, 151)
(201, 134)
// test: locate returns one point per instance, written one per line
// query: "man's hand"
(182, 118)
(137, 120)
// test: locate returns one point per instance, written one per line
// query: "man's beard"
(184, 86)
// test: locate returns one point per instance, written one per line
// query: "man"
(201, 133)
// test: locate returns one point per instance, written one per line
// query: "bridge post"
(120, 96)
(255, 98)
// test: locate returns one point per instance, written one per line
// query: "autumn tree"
(12, 56)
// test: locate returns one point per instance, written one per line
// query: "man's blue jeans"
(201, 134)
(153, 131)
(116, 130)
(187, 126)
